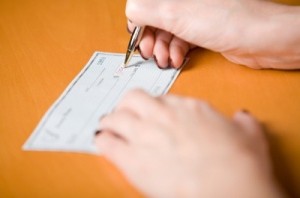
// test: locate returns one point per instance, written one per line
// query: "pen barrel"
(133, 43)
(135, 38)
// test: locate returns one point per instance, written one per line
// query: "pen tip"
(120, 70)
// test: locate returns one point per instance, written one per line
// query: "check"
(70, 123)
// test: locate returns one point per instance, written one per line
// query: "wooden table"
(44, 44)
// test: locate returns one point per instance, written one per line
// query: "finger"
(171, 100)
(140, 103)
(196, 108)
(161, 48)
(254, 130)
(249, 124)
(146, 44)
(128, 30)
(192, 103)
(247, 121)
(112, 148)
(130, 26)
(178, 50)
(123, 123)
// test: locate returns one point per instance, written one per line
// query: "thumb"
(254, 130)
(248, 123)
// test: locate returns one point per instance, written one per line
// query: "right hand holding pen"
(242, 31)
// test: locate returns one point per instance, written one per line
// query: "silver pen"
(133, 43)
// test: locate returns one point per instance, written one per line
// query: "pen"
(133, 43)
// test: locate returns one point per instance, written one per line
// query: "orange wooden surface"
(44, 44)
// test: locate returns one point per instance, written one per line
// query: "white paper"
(71, 122)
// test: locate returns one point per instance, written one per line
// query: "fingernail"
(155, 60)
(140, 51)
(128, 30)
(183, 62)
(245, 111)
(97, 132)
(101, 117)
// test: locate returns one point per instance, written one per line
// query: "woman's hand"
(166, 49)
(180, 147)
(255, 33)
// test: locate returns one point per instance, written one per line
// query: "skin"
(256, 33)
(171, 146)
(191, 151)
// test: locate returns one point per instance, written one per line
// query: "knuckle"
(167, 115)
(192, 103)
(136, 94)
(105, 121)
(198, 105)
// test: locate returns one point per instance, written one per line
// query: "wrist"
(271, 36)
(245, 177)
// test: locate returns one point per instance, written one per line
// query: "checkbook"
(70, 123)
